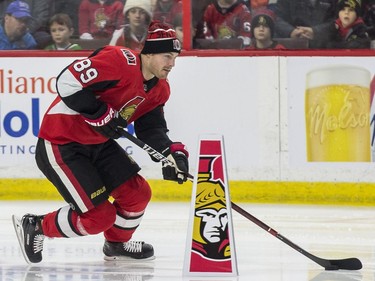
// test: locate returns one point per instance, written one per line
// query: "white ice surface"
(329, 232)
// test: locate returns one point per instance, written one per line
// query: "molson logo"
(322, 121)
(338, 123)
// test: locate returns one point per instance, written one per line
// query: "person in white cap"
(98, 97)
(138, 15)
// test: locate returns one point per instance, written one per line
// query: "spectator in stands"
(349, 31)
(98, 19)
(262, 30)
(227, 19)
(368, 16)
(309, 19)
(197, 9)
(14, 33)
(38, 26)
(61, 28)
(137, 19)
(40, 11)
(165, 10)
(69, 7)
(177, 24)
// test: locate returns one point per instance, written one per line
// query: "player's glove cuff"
(177, 169)
(106, 121)
(174, 147)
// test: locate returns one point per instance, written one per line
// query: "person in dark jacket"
(349, 30)
(309, 19)
(368, 16)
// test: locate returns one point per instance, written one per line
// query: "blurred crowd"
(224, 24)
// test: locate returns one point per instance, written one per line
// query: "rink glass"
(337, 110)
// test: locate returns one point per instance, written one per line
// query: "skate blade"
(128, 259)
(19, 232)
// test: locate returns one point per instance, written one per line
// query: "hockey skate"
(30, 236)
(128, 250)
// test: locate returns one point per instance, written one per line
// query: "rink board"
(352, 194)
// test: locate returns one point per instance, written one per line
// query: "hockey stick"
(348, 264)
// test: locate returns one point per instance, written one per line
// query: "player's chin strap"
(347, 264)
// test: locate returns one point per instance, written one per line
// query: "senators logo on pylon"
(211, 248)
(211, 236)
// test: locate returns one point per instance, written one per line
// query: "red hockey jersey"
(110, 75)
(234, 22)
(100, 20)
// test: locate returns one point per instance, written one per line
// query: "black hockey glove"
(178, 167)
(107, 122)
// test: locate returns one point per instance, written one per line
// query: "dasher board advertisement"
(330, 121)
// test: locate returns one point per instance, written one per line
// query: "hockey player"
(98, 97)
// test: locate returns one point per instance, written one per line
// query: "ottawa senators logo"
(225, 32)
(129, 108)
(210, 238)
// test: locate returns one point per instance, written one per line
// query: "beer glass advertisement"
(330, 116)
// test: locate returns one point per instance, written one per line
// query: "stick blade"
(348, 264)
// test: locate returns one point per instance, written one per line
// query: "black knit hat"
(354, 4)
(161, 38)
(263, 17)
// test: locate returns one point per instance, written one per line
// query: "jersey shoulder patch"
(130, 57)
